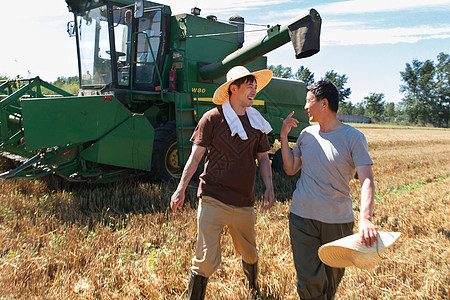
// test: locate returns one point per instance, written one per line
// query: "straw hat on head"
(262, 79)
(347, 252)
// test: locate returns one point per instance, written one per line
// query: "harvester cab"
(146, 78)
(118, 52)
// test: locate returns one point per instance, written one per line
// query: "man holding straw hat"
(328, 154)
(234, 135)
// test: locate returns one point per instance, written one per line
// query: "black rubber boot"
(197, 287)
(251, 272)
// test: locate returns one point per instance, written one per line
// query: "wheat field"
(61, 240)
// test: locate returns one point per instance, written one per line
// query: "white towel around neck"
(257, 121)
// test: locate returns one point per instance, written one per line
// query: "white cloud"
(357, 35)
(338, 27)
(26, 9)
(364, 6)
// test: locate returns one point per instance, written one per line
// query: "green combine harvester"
(146, 78)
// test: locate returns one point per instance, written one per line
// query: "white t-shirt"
(329, 162)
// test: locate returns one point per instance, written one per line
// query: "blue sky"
(368, 41)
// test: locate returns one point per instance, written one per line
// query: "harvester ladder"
(186, 123)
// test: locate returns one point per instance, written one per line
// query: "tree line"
(426, 88)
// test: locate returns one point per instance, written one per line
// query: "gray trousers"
(314, 279)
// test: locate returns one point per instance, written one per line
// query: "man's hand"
(177, 200)
(269, 199)
(288, 123)
(367, 233)
(291, 164)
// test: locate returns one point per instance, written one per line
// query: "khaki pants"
(212, 216)
(315, 280)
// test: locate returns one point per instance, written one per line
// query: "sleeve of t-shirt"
(202, 135)
(360, 152)
(264, 145)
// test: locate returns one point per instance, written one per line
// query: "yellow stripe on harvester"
(255, 102)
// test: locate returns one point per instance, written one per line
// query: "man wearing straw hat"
(328, 154)
(234, 136)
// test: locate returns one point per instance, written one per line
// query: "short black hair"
(325, 89)
(239, 81)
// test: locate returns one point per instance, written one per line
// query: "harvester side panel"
(208, 48)
(282, 96)
(199, 47)
(129, 145)
(50, 122)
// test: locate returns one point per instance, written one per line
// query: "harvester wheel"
(277, 162)
(165, 165)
